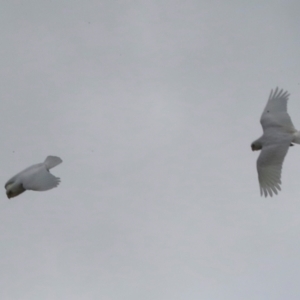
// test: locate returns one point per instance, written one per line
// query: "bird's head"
(13, 189)
(10, 190)
(255, 146)
(9, 194)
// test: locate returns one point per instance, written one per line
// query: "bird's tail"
(52, 161)
(296, 137)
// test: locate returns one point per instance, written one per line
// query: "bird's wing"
(275, 112)
(269, 165)
(39, 179)
(52, 161)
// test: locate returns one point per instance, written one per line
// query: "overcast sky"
(152, 105)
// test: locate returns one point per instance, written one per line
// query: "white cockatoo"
(35, 178)
(278, 135)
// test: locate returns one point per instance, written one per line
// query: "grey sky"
(152, 105)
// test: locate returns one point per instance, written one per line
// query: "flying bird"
(279, 134)
(35, 178)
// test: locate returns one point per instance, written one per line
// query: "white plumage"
(278, 135)
(36, 178)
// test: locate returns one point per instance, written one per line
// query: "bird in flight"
(35, 178)
(279, 134)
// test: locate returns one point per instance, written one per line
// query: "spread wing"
(269, 165)
(39, 179)
(275, 112)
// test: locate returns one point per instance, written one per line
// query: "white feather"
(279, 133)
(36, 178)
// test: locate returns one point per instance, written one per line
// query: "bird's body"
(279, 134)
(36, 178)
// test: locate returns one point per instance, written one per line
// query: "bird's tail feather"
(296, 138)
(52, 161)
